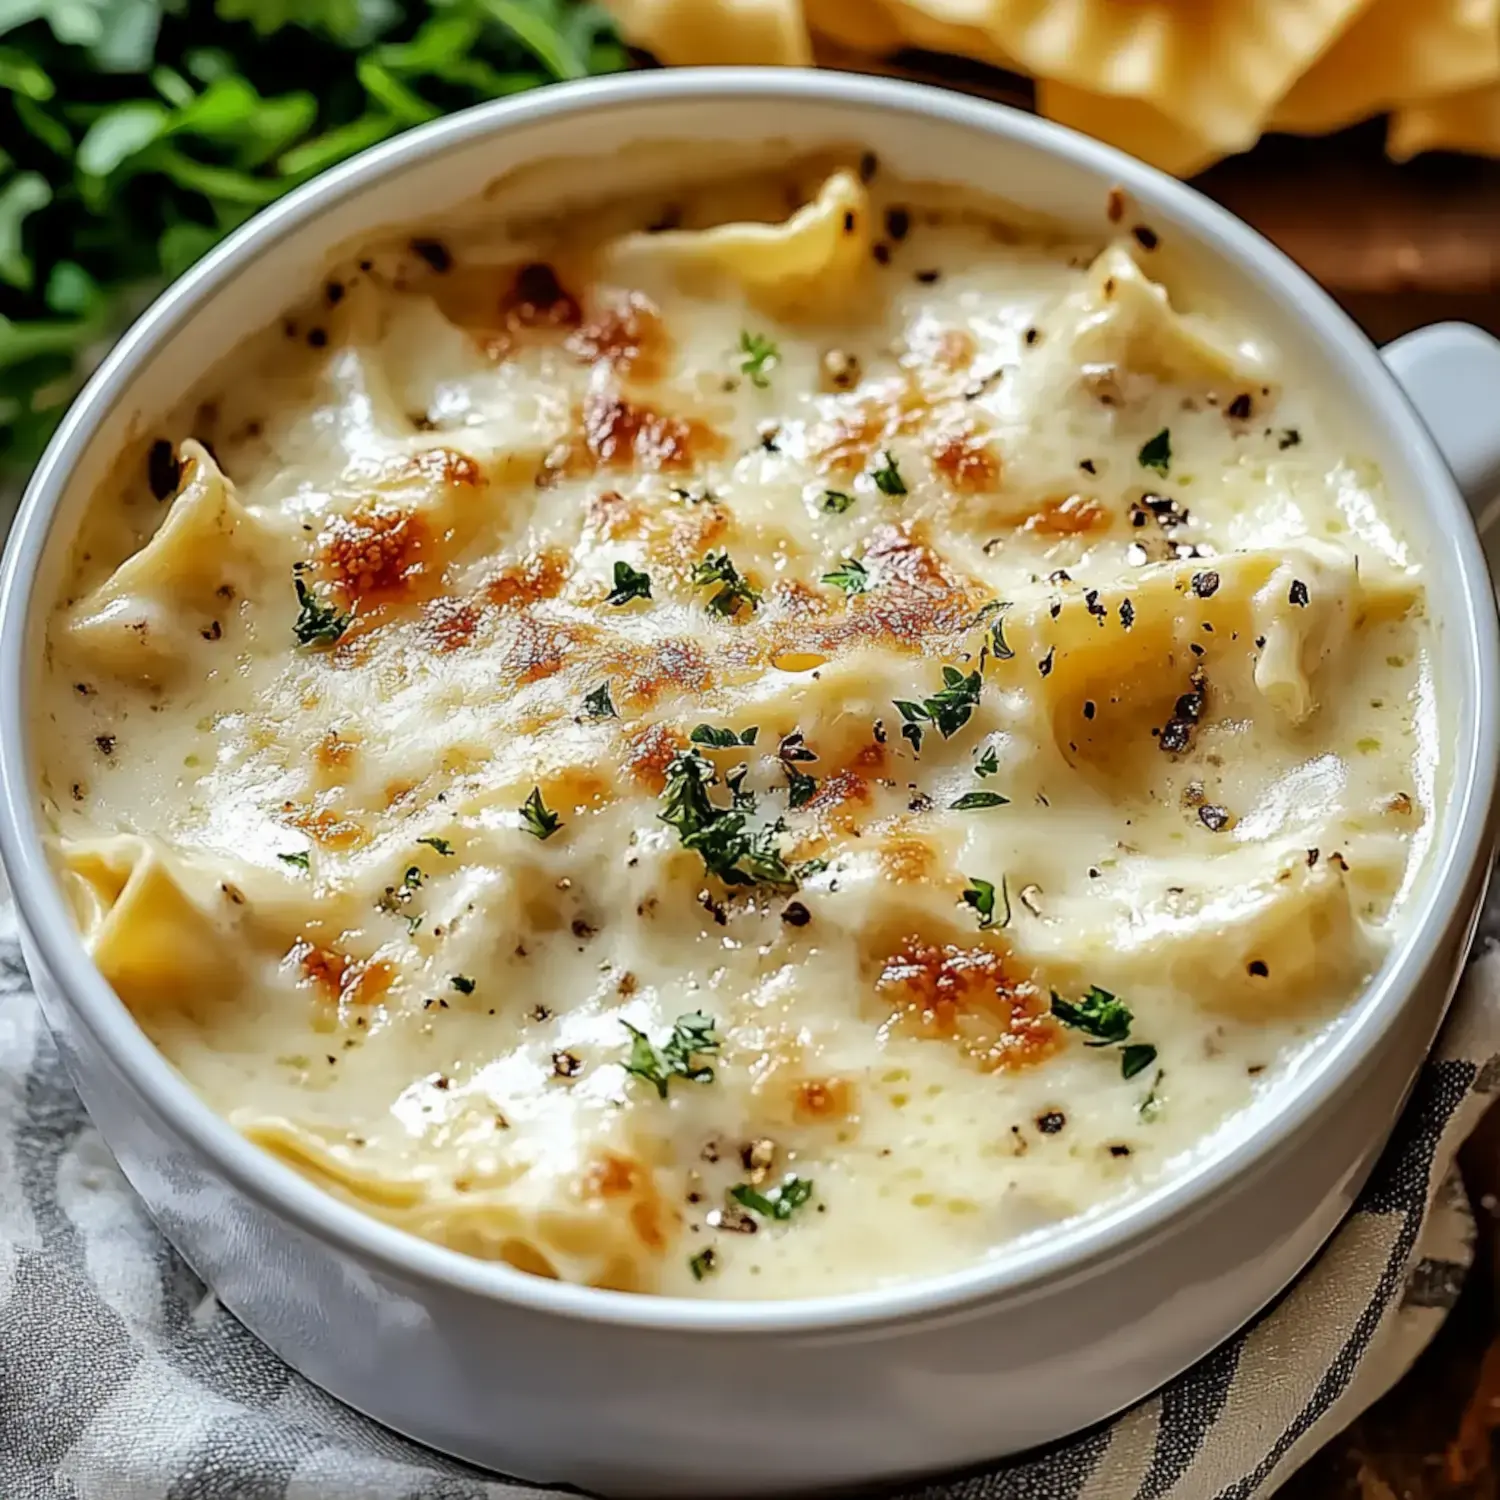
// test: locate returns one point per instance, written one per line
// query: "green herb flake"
(980, 894)
(987, 764)
(1157, 454)
(300, 860)
(537, 818)
(629, 585)
(993, 615)
(760, 355)
(974, 801)
(703, 1263)
(599, 705)
(732, 591)
(1151, 1105)
(719, 738)
(722, 837)
(1136, 1058)
(835, 502)
(693, 1035)
(851, 576)
(441, 845)
(317, 624)
(1099, 1015)
(948, 709)
(780, 1203)
(887, 477)
(462, 983)
(801, 788)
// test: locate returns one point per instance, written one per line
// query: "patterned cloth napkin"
(122, 1378)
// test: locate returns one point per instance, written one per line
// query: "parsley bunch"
(135, 134)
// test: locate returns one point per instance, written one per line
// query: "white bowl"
(642, 1395)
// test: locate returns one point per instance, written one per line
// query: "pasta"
(748, 742)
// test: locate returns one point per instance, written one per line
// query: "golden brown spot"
(325, 826)
(965, 460)
(334, 752)
(538, 648)
(970, 996)
(627, 334)
(661, 666)
(377, 554)
(537, 299)
(449, 623)
(842, 789)
(955, 349)
(611, 515)
(906, 858)
(618, 434)
(339, 978)
(445, 467)
(817, 1099)
(614, 1176)
(1074, 515)
(649, 752)
(540, 576)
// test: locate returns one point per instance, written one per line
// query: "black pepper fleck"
(163, 469)
(566, 1064)
(927, 277)
(1205, 585)
(1146, 237)
(1258, 968)
(435, 253)
(1240, 408)
(1051, 1121)
(1044, 666)
(1298, 593)
(795, 914)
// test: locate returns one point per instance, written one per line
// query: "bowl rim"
(1437, 910)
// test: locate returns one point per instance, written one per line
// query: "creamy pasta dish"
(747, 742)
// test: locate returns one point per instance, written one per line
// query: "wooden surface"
(1399, 246)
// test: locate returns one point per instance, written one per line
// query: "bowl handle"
(1451, 373)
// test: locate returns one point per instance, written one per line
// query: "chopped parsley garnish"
(801, 788)
(780, 1203)
(629, 585)
(723, 739)
(1151, 1104)
(1157, 454)
(721, 836)
(441, 845)
(760, 353)
(733, 590)
(537, 818)
(948, 710)
(299, 859)
(974, 801)
(851, 575)
(988, 763)
(1099, 1015)
(887, 477)
(1107, 1020)
(462, 983)
(317, 624)
(397, 898)
(702, 1263)
(836, 502)
(993, 613)
(980, 894)
(692, 1034)
(598, 704)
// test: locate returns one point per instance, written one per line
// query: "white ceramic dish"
(636, 1395)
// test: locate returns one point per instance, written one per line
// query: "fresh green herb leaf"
(317, 624)
(1099, 1015)
(987, 764)
(462, 983)
(599, 705)
(703, 1263)
(1136, 1058)
(973, 801)
(801, 788)
(723, 739)
(721, 836)
(300, 859)
(1152, 1103)
(836, 502)
(629, 584)
(993, 614)
(780, 1203)
(760, 354)
(692, 1035)
(887, 477)
(980, 894)
(1157, 454)
(948, 709)
(537, 818)
(441, 845)
(733, 590)
(851, 575)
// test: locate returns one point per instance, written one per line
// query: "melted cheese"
(1166, 732)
